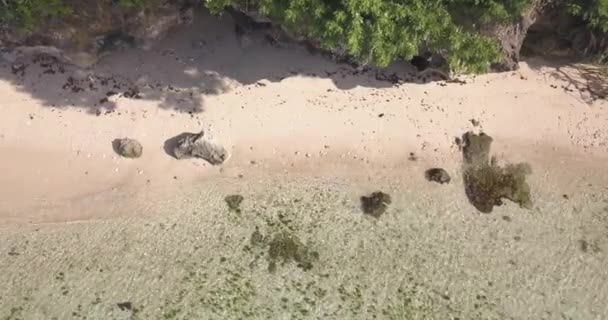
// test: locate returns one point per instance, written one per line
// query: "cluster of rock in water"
(184, 146)
(486, 183)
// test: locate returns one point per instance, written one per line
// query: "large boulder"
(96, 26)
(196, 145)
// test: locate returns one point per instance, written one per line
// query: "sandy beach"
(87, 234)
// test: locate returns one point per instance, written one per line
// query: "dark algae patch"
(487, 184)
(286, 247)
(375, 204)
(234, 202)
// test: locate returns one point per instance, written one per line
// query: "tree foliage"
(373, 31)
(378, 31)
(28, 12)
(593, 11)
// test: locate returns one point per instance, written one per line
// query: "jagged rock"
(95, 27)
(476, 148)
(486, 183)
(196, 145)
(438, 175)
(128, 148)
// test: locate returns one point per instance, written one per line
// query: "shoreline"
(86, 233)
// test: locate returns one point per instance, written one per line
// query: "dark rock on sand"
(196, 145)
(375, 204)
(438, 175)
(486, 183)
(128, 148)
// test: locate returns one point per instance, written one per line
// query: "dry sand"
(87, 234)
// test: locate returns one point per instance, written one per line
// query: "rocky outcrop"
(97, 26)
(556, 33)
(486, 183)
(196, 145)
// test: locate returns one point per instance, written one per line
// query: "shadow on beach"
(205, 58)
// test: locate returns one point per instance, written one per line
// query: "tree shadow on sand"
(588, 81)
(205, 58)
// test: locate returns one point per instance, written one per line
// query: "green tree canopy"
(372, 31)
(379, 31)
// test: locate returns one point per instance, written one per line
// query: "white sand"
(286, 123)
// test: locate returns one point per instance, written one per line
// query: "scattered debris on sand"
(234, 202)
(196, 145)
(375, 204)
(486, 183)
(128, 148)
(438, 175)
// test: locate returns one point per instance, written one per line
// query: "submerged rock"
(375, 204)
(234, 202)
(195, 145)
(285, 247)
(438, 175)
(486, 183)
(476, 148)
(128, 148)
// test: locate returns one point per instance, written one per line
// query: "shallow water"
(187, 255)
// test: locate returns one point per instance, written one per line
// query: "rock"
(234, 202)
(375, 204)
(486, 183)
(195, 145)
(438, 175)
(476, 148)
(128, 148)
